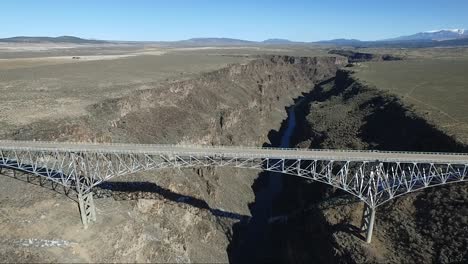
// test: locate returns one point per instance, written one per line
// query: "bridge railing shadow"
(118, 189)
(149, 190)
(37, 180)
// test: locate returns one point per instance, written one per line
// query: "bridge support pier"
(87, 209)
(367, 222)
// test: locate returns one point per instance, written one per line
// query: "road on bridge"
(240, 152)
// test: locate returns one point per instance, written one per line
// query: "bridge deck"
(240, 152)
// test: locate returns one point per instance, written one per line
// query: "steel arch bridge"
(374, 177)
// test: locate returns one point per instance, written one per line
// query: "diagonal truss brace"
(373, 182)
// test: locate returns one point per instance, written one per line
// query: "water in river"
(254, 240)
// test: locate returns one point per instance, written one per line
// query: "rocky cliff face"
(422, 227)
(219, 107)
(237, 105)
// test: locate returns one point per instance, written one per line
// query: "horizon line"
(224, 37)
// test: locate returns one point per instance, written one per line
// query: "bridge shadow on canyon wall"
(120, 191)
(149, 190)
(42, 181)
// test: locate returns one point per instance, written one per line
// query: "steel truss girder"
(373, 182)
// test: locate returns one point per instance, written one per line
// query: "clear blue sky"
(305, 20)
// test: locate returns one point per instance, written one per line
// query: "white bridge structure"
(374, 177)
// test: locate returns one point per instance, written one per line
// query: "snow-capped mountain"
(441, 34)
(456, 31)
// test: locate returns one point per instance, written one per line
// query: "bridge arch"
(293, 168)
(60, 178)
(371, 176)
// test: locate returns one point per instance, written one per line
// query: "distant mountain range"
(279, 41)
(231, 41)
(61, 39)
(341, 41)
(214, 41)
(438, 35)
(434, 38)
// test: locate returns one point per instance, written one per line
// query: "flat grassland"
(54, 87)
(437, 89)
(50, 82)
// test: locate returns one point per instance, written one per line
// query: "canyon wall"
(237, 105)
(428, 226)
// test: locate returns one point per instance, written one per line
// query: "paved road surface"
(239, 152)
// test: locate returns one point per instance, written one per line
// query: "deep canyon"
(224, 214)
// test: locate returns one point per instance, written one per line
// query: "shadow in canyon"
(121, 191)
(42, 181)
(149, 190)
(405, 132)
(308, 236)
(260, 239)
(251, 240)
